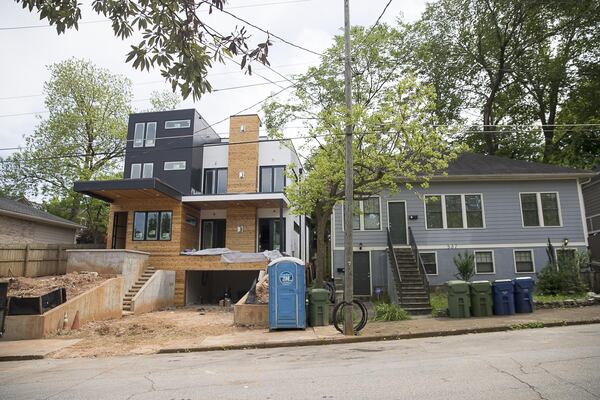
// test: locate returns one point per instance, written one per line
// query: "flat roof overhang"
(227, 200)
(113, 190)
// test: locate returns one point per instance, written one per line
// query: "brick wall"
(19, 231)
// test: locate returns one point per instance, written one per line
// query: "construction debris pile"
(75, 283)
(259, 292)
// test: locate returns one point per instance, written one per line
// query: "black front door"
(362, 273)
(119, 230)
(270, 235)
(397, 221)
(213, 233)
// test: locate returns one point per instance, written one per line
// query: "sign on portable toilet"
(287, 294)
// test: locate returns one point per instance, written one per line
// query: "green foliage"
(439, 303)
(549, 298)
(528, 325)
(174, 38)
(465, 264)
(164, 100)
(390, 312)
(83, 138)
(563, 277)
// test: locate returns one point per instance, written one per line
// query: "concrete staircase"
(411, 289)
(147, 274)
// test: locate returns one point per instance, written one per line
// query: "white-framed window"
(484, 262)
(367, 215)
(174, 165)
(524, 261)
(136, 171)
(429, 259)
(138, 135)
(540, 209)
(150, 134)
(593, 223)
(148, 170)
(454, 211)
(178, 124)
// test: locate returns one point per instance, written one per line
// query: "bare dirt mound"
(75, 283)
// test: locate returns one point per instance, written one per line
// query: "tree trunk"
(322, 217)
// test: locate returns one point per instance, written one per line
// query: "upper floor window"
(174, 165)
(144, 134)
(181, 123)
(152, 225)
(454, 211)
(215, 181)
(540, 209)
(272, 179)
(367, 215)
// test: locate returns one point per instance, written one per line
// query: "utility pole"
(349, 186)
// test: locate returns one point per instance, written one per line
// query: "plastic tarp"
(230, 256)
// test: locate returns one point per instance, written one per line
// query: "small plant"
(528, 325)
(465, 264)
(390, 312)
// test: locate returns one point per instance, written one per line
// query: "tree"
(83, 138)
(396, 142)
(164, 101)
(174, 38)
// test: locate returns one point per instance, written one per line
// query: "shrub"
(390, 312)
(465, 264)
(562, 275)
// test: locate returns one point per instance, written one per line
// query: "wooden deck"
(202, 263)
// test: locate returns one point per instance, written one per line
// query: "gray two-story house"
(501, 210)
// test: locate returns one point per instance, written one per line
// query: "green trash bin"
(459, 299)
(318, 304)
(481, 299)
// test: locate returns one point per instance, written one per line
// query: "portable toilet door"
(287, 291)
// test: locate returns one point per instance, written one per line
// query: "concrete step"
(418, 310)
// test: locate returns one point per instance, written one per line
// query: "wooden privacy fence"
(33, 260)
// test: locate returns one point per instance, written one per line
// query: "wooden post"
(59, 261)
(26, 260)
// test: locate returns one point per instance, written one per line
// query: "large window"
(454, 211)
(182, 123)
(272, 179)
(484, 262)
(152, 225)
(215, 181)
(144, 134)
(540, 209)
(429, 263)
(524, 261)
(367, 215)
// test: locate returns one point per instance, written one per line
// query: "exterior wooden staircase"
(410, 280)
(147, 274)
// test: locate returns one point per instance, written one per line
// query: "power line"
(266, 31)
(9, 28)
(378, 20)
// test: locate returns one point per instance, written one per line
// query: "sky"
(28, 45)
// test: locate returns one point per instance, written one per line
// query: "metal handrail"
(413, 245)
(396, 268)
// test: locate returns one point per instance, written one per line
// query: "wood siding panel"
(243, 157)
(241, 241)
(591, 197)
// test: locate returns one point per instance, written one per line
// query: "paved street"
(550, 363)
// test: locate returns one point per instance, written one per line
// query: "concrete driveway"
(549, 363)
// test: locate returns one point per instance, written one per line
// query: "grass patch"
(529, 325)
(390, 312)
(558, 297)
(439, 302)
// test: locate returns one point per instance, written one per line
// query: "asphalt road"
(550, 363)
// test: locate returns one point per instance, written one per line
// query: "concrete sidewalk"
(15, 350)
(375, 331)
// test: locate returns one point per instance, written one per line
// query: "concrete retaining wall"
(128, 263)
(158, 292)
(256, 315)
(100, 303)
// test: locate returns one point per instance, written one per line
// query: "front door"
(397, 221)
(119, 230)
(362, 273)
(213, 234)
(270, 234)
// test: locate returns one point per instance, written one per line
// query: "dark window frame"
(215, 180)
(272, 168)
(158, 227)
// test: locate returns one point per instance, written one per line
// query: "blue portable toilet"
(524, 294)
(287, 294)
(504, 299)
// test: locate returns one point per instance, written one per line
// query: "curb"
(22, 358)
(374, 338)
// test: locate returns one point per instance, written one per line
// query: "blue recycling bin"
(524, 294)
(287, 294)
(504, 298)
